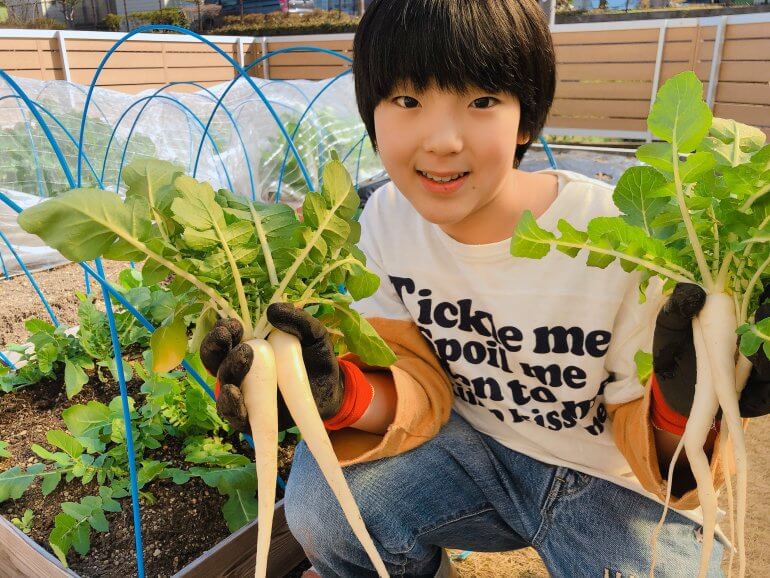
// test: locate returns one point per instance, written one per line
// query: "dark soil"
(183, 522)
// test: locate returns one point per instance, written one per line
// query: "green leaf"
(679, 115)
(61, 536)
(15, 481)
(240, 509)
(641, 195)
(643, 362)
(4, 453)
(363, 340)
(38, 325)
(361, 282)
(195, 206)
(169, 345)
(74, 378)
(65, 442)
(153, 181)
(732, 143)
(659, 155)
(83, 224)
(529, 239)
(50, 482)
(86, 420)
(570, 234)
(695, 165)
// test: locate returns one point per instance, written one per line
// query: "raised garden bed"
(184, 530)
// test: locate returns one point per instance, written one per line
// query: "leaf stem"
(244, 303)
(750, 289)
(708, 280)
(715, 268)
(683, 277)
(265, 246)
(721, 280)
(278, 294)
(753, 198)
(224, 306)
(323, 274)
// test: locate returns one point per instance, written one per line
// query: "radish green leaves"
(233, 256)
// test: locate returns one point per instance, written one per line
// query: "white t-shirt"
(534, 348)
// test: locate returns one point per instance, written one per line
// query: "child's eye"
(407, 100)
(488, 100)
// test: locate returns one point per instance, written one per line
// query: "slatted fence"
(608, 73)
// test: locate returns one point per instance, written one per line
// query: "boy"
(513, 416)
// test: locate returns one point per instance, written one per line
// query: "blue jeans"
(464, 490)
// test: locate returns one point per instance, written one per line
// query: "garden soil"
(18, 302)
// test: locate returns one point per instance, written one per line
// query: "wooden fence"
(608, 73)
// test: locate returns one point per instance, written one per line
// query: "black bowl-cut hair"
(501, 46)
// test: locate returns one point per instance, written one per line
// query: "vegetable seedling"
(702, 220)
(234, 258)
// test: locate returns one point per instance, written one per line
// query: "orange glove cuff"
(356, 399)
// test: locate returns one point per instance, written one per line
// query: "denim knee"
(312, 511)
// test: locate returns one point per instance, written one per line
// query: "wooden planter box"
(233, 557)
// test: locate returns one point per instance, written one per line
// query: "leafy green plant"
(233, 258)
(230, 256)
(25, 522)
(72, 528)
(702, 220)
(4, 453)
(53, 351)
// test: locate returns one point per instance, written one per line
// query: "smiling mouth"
(443, 179)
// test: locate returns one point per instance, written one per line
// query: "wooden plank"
(11, 61)
(601, 108)
(677, 51)
(744, 49)
(119, 76)
(630, 71)
(17, 44)
(75, 45)
(305, 72)
(754, 115)
(596, 123)
(21, 557)
(184, 60)
(210, 74)
(198, 48)
(737, 31)
(743, 93)
(748, 71)
(307, 59)
(609, 90)
(594, 53)
(336, 45)
(34, 74)
(605, 37)
(117, 60)
(669, 69)
(235, 556)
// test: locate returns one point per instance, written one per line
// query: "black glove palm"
(225, 356)
(674, 355)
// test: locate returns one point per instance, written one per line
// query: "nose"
(443, 136)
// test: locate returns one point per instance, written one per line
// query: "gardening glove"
(224, 356)
(674, 355)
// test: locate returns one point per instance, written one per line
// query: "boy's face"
(444, 134)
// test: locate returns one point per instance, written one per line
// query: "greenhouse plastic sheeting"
(244, 150)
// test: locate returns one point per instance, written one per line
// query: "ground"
(18, 302)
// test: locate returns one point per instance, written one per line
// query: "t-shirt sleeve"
(385, 302)
(423, 391)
